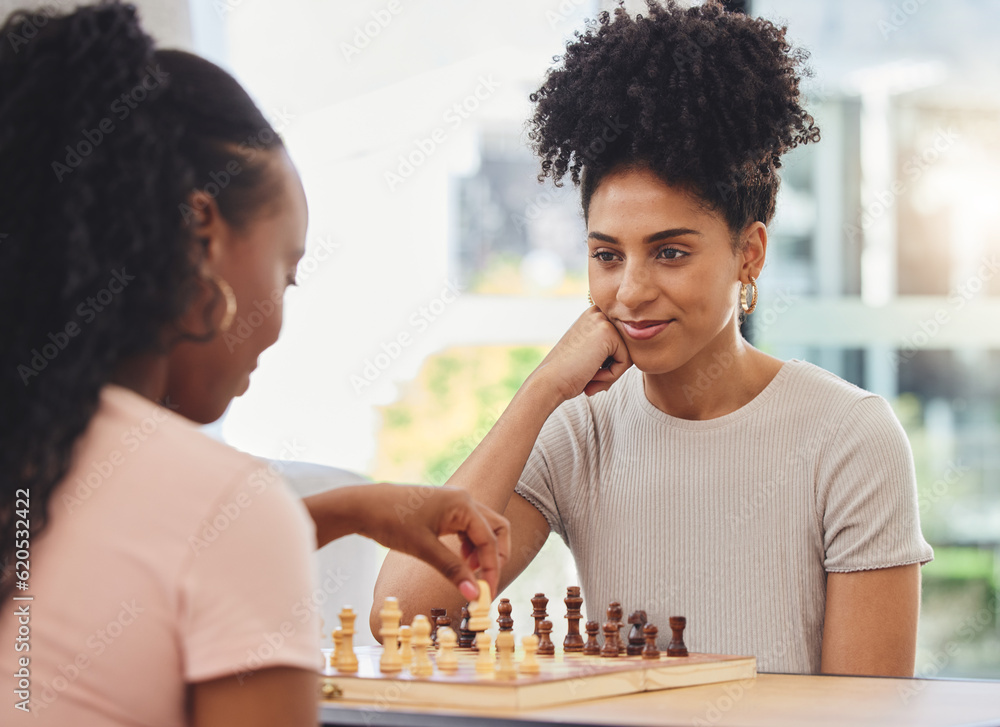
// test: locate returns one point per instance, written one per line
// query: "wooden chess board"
(564, 678)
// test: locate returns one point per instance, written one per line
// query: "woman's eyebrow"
(655, 237)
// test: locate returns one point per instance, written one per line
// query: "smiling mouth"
(644, 330)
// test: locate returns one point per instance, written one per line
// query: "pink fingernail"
(469, 589)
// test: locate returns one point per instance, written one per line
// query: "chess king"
(770, 501)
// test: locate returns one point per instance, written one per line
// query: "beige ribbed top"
(732, 522)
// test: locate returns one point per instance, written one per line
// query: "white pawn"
(484, 662)
(338, 649)
(447, 661)
(422, 666)
(529, 665)
(405, 652)
(505, 650)
(390, 663)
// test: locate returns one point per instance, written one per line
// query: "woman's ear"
(208, 228)
(753, 246)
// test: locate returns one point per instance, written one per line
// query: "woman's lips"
(644, 330)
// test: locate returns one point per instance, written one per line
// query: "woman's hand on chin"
(589, 357)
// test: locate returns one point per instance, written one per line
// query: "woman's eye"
(604, 256)
(671, 253)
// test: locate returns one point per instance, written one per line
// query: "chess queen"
(770, 501)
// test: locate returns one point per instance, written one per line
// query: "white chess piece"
(479, 610)
(447, 661)
(348, 659)
(338, 649)
(505, 650)
(484, 662)
(390, 663)
(529, 665)
(405, 652)
(422, 666)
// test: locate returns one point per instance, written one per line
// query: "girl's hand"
(410, 519)
(589, 357)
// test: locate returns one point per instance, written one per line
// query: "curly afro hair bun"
(705, 98)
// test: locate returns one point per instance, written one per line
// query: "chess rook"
(676, 646)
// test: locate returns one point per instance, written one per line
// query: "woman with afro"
(770, 502)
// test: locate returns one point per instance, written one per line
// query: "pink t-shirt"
(168, 559)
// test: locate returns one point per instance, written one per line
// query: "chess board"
(564, 678)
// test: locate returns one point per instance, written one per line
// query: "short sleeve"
(559, 460)
(247, 591)
(867, 493)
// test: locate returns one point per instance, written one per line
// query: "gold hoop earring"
(227, 292)
(590, 301)
(748, 308)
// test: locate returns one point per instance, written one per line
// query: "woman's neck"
(720, 379)
(145, 374)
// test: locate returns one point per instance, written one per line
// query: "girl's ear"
(753, 249)
(209, 229)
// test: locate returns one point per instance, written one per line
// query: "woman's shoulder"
(154, 449)
(836, 406)
(150, 430)
(805, 378)
(155, 478)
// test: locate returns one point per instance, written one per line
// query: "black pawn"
(650, 651)
(635, 637)
(592, 647)
(545, 645)
(610, 647)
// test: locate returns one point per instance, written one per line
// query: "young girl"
(770, 502)
(163, 578)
